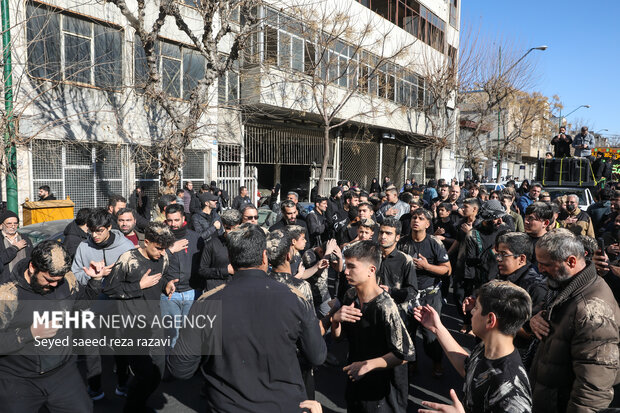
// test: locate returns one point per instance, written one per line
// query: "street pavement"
(184, 396)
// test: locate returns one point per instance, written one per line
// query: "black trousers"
(462, 288)
(148, 371)
(62, 391)
(431, 345)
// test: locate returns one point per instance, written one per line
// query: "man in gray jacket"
(583, 143)
(100, 251)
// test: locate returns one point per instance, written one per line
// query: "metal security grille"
(284, 146)
(85, 173)
(360, 160)
(196, 168)
(393, 165)
(415, 164)
(229, 180)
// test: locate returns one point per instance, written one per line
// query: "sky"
(582, 63)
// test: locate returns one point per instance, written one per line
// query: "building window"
(454, 12)
(228, 86)
(63, 47)
(181, 67)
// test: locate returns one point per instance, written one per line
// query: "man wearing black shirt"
(536, 223)
(137, 280)
(397, 274)
(561, 144)
(341, 218)
(431, 260)
(245, 377)
(379, 344)
(289, 217)
(317, 223)
(215, 268)
(241, 199)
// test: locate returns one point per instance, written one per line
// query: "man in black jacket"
(76, 231)
(561, 144)
(13, 248)
(317, 223)
(183, 259)
(45, 193)
(257, 370)
(207, 222)
(241, 199)
(33, 376)
(215, 268)
(289, 217)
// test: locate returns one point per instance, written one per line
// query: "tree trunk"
(171, 161)
(324, 164)
(437, 162)
(499, 167)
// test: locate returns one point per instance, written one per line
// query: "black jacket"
(561, 146)
(203, 225)
(257, 371)
(317, 228)
(240, 201)
(142, 205)
(213, 269)
(74, 235)
(8, 254)
(182, 264)
(281, 224)
(20, 357)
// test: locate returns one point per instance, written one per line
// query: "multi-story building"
(86, 130)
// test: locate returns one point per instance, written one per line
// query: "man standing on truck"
(583, 143)
(561, 144)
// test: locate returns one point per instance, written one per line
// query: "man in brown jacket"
(578, 221)
(577, 361)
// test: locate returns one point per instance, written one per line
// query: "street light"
(578, 107)
(602, 130)
(499, 110)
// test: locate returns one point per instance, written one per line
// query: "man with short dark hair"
(379, 344)
(215, 268)
(529, 198)
(126, 221)
(207, 222)
(601, 208)
(495, 380)
(249, 213)
(364, 212)
(76, 231)
(432, 262)
(241, 199)
(537, 220)
(116, 203)
(30, 376)
(244, 377)
(397, 275)
(561, 144)
(317, 223)
(159, 213)
(137, 281)
(289, 217)
(184, 260)
(45, 193)
(583, 143)
(576, 363)
(341, 218)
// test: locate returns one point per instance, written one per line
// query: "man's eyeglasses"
(500, 256)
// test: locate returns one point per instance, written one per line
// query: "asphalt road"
(184, 396)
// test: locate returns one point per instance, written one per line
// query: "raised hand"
(428, 317)
(148, 280)
(171, 287)
(456, 406)
(347, 313)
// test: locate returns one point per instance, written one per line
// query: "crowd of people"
(536, 280)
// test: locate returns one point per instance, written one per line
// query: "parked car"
(45, 231)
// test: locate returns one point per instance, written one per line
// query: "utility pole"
(499, 122)
(9, 146)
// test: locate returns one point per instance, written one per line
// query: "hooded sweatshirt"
(109, 252)
(74, 235)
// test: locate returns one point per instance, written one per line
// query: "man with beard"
(583, 143)
(76, 231)
(317, 223)
(529, 198)
(578, 221)
(207, 221)
(13, 248)
(126, 221)
(343, 216)
(45, 193)
(431, 261)
(443, 191)
(289, 217)
(393, 207)
(215, 268)
(247, 377)
(454, 198)
(137, 281)
(334, 204)
(184, 260)
(576, 363)
(31, 377)
(102, 249)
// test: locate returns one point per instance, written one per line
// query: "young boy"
(445, 229)
(495, 380)
(379, 344)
